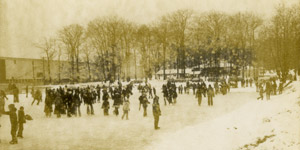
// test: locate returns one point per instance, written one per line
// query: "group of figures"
(67, 100)
(269, 87)
(17, 120)
(200, 90)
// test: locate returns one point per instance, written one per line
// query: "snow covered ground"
(236, 121)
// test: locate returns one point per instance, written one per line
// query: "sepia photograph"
(149, 74)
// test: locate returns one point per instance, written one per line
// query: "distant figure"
(37, 96)
(144, 102)
(105, 104)
(268, 90)
(210, 95)
(250, 81)
(32, 92)
(26, 91)
(2, 101)
(261, 92)
(21, 121)
(156, 112)
(280, 88)
(13, 121)
(126, 109)
(16, 94)
(199, 96)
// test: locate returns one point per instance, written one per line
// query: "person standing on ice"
(37, 96)
(210, 95)
(165, 93)
(250, 82)
(32, 92)
(105, 104)
(154, 90)
(117, 101)
(26, 90)
(98, 88)
(150, 91)
(16, 94)
(199, 95)
(280, 88)
(216, 86)
(77, 103)
(144, 101)
(21, 121)
(156, 111)
(13, 121)
(48, 103)
(2, 101)
(261, 92)
(268, 90)
(126, 108)
(274, 86)
(58, 104)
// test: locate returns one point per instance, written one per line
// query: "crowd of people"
(269, 87)
(68, 100)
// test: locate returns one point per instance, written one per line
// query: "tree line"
(179, 40)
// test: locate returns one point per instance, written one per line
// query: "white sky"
(24, 22)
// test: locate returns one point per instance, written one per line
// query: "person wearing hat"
(14, 122)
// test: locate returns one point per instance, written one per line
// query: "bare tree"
(180, 21)
(49, 51)
(72, 37)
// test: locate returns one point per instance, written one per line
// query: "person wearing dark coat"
(156, 112)
(37, 96)
(13, 121)
(144, 102)
(165, 93)
(26, 91)
(154, 90)
(2, 101)
(77, 103)
(274, 88)
(16, 94)
(58, 104)
(199, 96)
(21, 121)
(210, 95)
(174, 95)
(268, 90)
(117, 101)
(261, 92)
(105, 104)
(48, 103)
(88, 100)
(98, 88)
(280, 88)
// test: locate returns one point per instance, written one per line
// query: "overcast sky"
(24, 22)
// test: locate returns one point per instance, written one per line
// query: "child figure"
(22, 120)
(14, 122)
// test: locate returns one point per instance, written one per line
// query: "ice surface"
(235, 120)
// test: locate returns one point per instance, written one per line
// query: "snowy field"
(237, 121)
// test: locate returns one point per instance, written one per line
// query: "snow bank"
(260, 124)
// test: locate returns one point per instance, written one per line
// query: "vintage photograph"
(149, 74)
